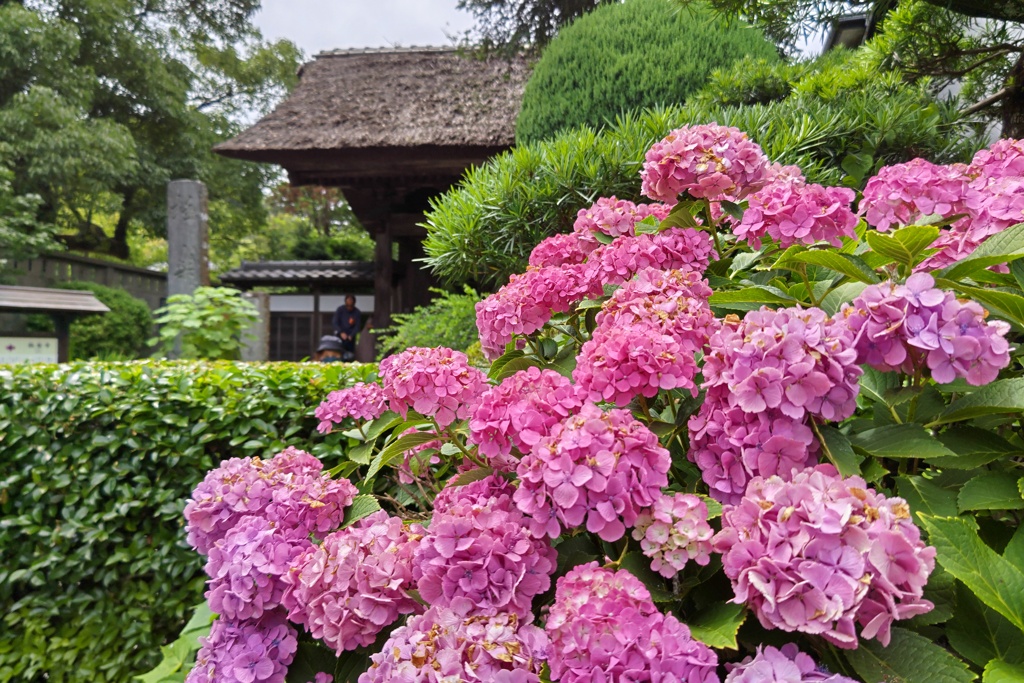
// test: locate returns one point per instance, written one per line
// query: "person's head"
(329, 350)
(350, 302)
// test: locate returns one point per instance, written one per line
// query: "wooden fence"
(51, 270)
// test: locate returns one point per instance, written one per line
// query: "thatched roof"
(418, 104)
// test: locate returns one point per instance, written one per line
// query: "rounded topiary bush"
(118, 335)
(642, 53)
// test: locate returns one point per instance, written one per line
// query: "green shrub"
(626, 56)
(97, 462)
(343, 246)
(210, 323)
(449, 320)
(121, 333)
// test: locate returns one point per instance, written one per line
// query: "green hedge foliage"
(449, 320)
(624, 56)
(97, 462)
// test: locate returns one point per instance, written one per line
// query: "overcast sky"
(317, 25)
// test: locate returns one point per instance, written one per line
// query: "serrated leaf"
(639, 566)
(991, 491)
(998, 671)
(981, 634)
(1014, 550)
(875, 384)
(718, 625)
(846, 264)
(750, 295)
(973, 447)
(199, 624)
(648, 226)
(924, 495)
(839, 451)
(713, 506)
(941, 592)
(744, 260)
(502, 361)
(909, 658)
(1002, 396)
(516, 365)
(574, 551)
(843, 294)
(468, 477)
(449, 449)
(361, 453)
(362, 506)
(1003, 247)
(900, 441)
(962, 553)
(732, 208)
(682, 215)
(397, 448)
(375, 428)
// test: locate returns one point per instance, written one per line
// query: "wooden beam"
(382, 276)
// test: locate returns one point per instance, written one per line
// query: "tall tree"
(511, 25)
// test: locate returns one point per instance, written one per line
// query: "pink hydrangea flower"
(614, 218)
(672, 249)
(492, 490)
(561, 250)
(518, 412)
(765, 376)
(353, 585)
(911, 326)
(903, 193)
(440, 646)
(438, 383)
(291, 489)
(786, 665)
(1002, 159)
(675, 531)
(361, 401)
(595, 467)
(479, 559)
(793, 212)
(646, 338)
(704, 161)
(245, 651)
(820, 554)
(603, 626)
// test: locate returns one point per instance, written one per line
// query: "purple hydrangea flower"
(249, 651)
(361, 401)
(786, 665)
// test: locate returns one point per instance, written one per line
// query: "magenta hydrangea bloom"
(604, 626)
(793, 212)
(254, 651)
(361, 401)
(646, 338)
(614, 218)
(437, 382)
(492, 490)
(704, 161)
(595, 467)
(911, 326)
(1002, 159)
(346, 590)
(479, 559)
(518, 412)
(903, 193)
(675, 531)
(291, 489)
(820, 554)
(440, 646)
(786, 665)
(561, 250)
(764, 376)
(673, 249)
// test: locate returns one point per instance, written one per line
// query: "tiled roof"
(301, 272)
(45, 299)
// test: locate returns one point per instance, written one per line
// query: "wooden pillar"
(62, 326)
(383, 276)
(317, 323)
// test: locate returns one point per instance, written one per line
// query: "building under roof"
(391, 128)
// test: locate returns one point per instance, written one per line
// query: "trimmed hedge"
(97, 462)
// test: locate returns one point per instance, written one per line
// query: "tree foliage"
(449, 320)
(509, 25)
(593, 71)
(209, 324)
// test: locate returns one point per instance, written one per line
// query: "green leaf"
(639, 566)
(839, 451)
(876, 385)
(998, 671)
(713, 506)
(501, 361)
(981, 634)
(962, 553)
(906, 245)
(909, 658)
(1003, 304)
(516, 365)
(973, 447)
(576, 550)
(361, 453)
(941, 591)
(732, 208)
(718, 625)
(682, 215)
(362, 506)
(924, 495)
(750, 295)
(468, 477)
(397, 449)
(1002, 396)
(1002, 247)
(991, 491)
(1014, 551)
(847, 264)
(900, 441)
(647, 226)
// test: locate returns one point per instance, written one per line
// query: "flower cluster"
(907, 327)
(614, 218)
(354, 584)
(561, 250)
(438, 383)
(596, 468)
(291, 490)
(362, 401)
(646, 338)
(673, 532)
(672, 249)
(903, 193)
(793, 212)
(479, 559)
(439, 646)
(1003, 159)
(604, 626)
(518, 412)
(764, 376)
(491, 490)
(245, 651)
(820, 554)
(704, 161)
(786, 665)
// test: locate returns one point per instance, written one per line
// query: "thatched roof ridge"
(363, 99)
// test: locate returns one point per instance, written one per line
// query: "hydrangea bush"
(756, 430)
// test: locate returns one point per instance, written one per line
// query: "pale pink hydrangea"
(596, 468)
(1002, 159)
(764, 376)
(902, 194)
(785, 665)
(291, 489)
(912, 326)
(245, 651)
(604, 627)
(353, 585)
(437, 382)
(561, 250)
(613, 218)
(821, 554)
(704, 161)
(518, 412)
(675, 531)
(479, 559)
(793, 212)
(361, 401)
(672, 249)
(440, 646)
(646, 338)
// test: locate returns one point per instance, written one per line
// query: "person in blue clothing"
(347, 323)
